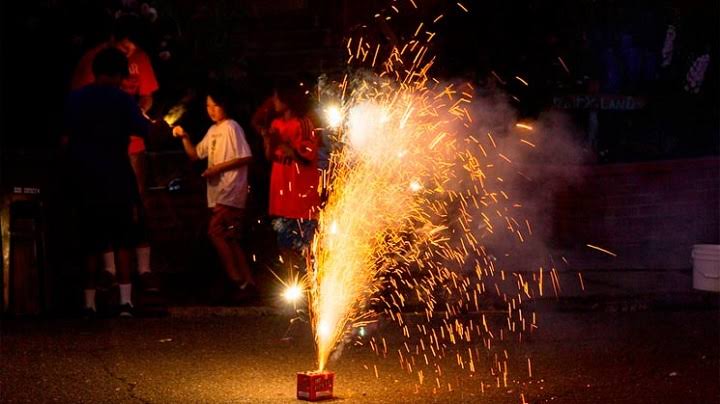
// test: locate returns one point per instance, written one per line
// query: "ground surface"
(200, 356)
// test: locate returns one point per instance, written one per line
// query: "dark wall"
(649, 214)
(610, 47)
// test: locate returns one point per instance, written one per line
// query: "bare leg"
(242, 263)
(138, 161)
(227, 257)
(123, 276)
(91, 266)
(142, 252)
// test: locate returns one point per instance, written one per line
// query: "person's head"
(291, 100)
(219, 103)
(125, 34)
(110, 66)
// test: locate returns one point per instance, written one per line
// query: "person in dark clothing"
(100, 118)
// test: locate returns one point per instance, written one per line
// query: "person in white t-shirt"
(228, 156)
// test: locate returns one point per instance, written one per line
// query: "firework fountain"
(412, 192)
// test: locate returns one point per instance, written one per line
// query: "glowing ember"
(602, 250)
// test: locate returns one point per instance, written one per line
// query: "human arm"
(83, 74)
(220, 168)
(286, 152)
(145, 102)
(304, 145)
(148, 83)
(261, 122)
(270, 143)
(139, 121)
(296, 143)
(190, 149)
(261, 119)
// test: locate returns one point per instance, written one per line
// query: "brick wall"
(649, 214)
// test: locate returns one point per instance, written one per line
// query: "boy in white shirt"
(228, 156)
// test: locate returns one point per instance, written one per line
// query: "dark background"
(609, 48)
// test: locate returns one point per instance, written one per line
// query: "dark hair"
(223, 96)
(110, 62)
(295, 98)
(126, 27)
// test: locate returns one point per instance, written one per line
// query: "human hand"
(179, 132)
(285, 151)
(211, 171)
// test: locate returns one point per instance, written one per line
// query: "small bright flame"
(174, 114)
(333, 116)
(293, 293)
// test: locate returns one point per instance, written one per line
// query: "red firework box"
(315, 385)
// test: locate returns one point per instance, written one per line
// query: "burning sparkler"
(174, 115)
(177, 111)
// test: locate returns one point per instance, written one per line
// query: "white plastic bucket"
(706, 267)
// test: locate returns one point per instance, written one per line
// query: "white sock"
(143, 259)
(126, 293)
(109, 262)
(90, 299)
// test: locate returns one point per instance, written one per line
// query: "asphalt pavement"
(216, 355)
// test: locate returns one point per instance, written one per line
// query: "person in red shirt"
(140, 84)
(292, 146)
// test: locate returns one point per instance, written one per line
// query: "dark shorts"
(108, 209)
(227, 222)
(106, 225)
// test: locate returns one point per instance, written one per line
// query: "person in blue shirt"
(99, 120)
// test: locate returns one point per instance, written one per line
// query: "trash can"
(24, 264)
(706, 267)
